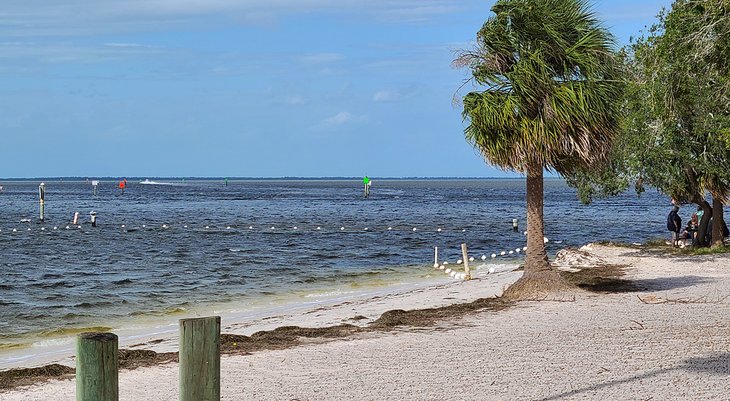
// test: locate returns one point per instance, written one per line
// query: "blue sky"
(250, 88)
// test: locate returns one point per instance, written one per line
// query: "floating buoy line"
(440, 265)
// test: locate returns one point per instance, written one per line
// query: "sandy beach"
(664, 335)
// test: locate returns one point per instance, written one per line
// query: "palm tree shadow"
(611, 279)
(718, 364)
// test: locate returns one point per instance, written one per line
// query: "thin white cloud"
(87, 17)
(295, 100)
(338, 120)
(69, 52)
(321, 58)
(393, 95)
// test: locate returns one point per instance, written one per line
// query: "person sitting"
(690, 232)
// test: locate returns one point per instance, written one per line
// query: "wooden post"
(97, 367)
(465, 255)
(200, 359)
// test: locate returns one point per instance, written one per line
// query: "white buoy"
(545, 239)
(464, 230)
(295, 227)
(525, 233)
(524, 248)
(494, 255)
(471, 259)
(250, 227)
(319, 228)
(55, 227)
(439, 230)
(165, 226)
(28, 228)
(143, 226)
(122, 225)
(446, 263)
(342, 228)
(390, 228)
(458, 262)
(67, 227)
(229, 227)
(502, 253)
(273, 228)
(447, 271)
(415, 229)
(185, 226)
(517, 249)
(484, 257)
(491, 270)
(15, 230)
(511, 252)
(43, 229)
(365, 228)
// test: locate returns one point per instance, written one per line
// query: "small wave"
(9, 346)
(68, 331)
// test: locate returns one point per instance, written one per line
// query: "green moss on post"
(97, 367)
(200, 359)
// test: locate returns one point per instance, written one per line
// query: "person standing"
(674, 224)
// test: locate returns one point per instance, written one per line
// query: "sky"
(244, 88)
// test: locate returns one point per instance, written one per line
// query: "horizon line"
(88, 178)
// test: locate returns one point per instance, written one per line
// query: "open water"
(162, 250)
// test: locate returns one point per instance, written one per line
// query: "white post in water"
(93, 218)
(515, 226)
(76, 218)
(42, 197)
(435, 257)
(465, 255)
(94, 184)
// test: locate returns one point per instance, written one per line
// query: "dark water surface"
(162, 249)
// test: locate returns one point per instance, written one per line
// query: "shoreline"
(159, 333)
(655, 328)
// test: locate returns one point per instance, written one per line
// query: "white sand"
(598, 347)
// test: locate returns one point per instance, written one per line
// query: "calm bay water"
(167, 249)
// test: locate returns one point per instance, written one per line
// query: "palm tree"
(551, 101)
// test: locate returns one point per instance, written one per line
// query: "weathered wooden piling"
(465, 255)
(200, 359)
(97, 367)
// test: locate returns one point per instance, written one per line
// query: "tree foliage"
(551, 80)
(676, 130)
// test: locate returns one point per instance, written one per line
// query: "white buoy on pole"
(42, 198)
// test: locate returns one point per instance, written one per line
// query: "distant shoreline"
(132, 178)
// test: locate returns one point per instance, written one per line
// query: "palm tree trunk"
(717, 220)
(536, 258)
(539, 281)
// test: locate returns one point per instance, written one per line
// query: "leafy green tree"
(675, 134)
(550, 79)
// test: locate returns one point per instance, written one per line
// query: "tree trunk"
(536, 258)
(539, 281)
(706, 215)
(717, 223)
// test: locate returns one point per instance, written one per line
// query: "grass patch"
(692, 251)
